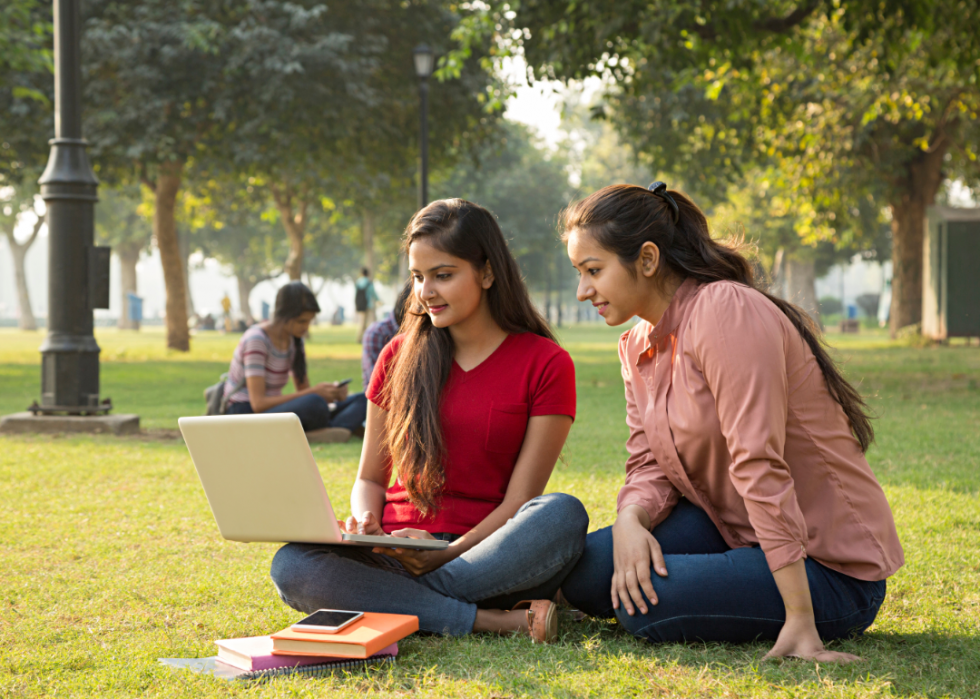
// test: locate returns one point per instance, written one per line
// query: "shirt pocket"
(506, 428)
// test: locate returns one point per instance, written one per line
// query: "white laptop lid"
(260, 478)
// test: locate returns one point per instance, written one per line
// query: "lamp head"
(424, 59)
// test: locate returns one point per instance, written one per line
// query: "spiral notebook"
(216, 668)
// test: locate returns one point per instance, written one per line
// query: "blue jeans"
(716, 593)
(527, 558)
(314, 412)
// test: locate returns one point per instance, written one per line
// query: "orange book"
(362, 639)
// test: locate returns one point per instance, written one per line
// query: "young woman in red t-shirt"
(470, 407)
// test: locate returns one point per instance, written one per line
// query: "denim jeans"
(527, 558)
(314, 412)
(716, 593)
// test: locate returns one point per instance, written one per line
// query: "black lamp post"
(424, 63)
(78, 272)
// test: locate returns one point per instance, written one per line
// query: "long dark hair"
(414, 436)
(293, 300)
(620, 218)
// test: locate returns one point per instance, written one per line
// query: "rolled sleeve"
(646, 484)
(747, 377)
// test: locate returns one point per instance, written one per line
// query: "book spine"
(319, 670)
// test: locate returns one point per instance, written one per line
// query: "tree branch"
(145, 178)
(781, 25)
(940, 133)
(12, 240)
(772, 25)
(37, 227)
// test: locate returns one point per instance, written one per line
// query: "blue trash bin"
(135, 303)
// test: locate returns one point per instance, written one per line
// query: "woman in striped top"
(265, 356)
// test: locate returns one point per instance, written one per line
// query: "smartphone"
(344, 382)
(326, 621)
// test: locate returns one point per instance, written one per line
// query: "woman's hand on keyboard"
(368, 524)
(415, 561)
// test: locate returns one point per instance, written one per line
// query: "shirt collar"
(672, 316)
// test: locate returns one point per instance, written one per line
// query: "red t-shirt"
(484, 414)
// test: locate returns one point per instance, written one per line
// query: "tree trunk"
(547, 301)
(801, 285)
(245, 286)
(18, 251)
(924, 176)
(777, 276)
(367, 239)
(129, 256)
(292, 210)
(185, 256)
(165, 232)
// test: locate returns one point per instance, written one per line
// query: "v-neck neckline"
(467, 374)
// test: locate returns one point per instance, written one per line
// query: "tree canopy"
(308, 100)
(854, 106)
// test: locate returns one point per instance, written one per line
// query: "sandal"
(542, 619)
(566, 607)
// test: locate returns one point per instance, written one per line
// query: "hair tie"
(660, 189)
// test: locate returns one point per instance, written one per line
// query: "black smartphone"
(344, 382)
(326, 621)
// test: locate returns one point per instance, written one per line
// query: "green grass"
(110, 557)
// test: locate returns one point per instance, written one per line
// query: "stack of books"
(372, 640)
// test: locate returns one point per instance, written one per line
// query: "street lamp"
(78, 271)
(69, 354)
(424, 63)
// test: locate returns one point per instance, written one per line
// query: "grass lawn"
(110, 558)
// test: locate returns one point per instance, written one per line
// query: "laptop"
(263, 484)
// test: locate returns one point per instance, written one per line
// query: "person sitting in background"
(365, 300)
(380, 334)
(265, 356)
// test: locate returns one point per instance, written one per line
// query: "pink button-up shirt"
(727, 406)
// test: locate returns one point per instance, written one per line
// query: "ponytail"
(622, 217)
(299, 362)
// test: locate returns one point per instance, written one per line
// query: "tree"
(25, 45)
(354, 142)
(16, 205)
(248, 241)
(334, 252)
(26, 124)
(168, 91)
(852, 102)
(121, 222)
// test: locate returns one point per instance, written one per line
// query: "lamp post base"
(28, 423)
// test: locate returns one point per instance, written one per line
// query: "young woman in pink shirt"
(749, 511)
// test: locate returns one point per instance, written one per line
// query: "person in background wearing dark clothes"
(365, 300)
(380, 334)
(265, 356)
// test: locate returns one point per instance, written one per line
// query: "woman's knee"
(565, 510)
(287, 571)
(300, 575)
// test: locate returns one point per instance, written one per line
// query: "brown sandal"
(542, 619)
